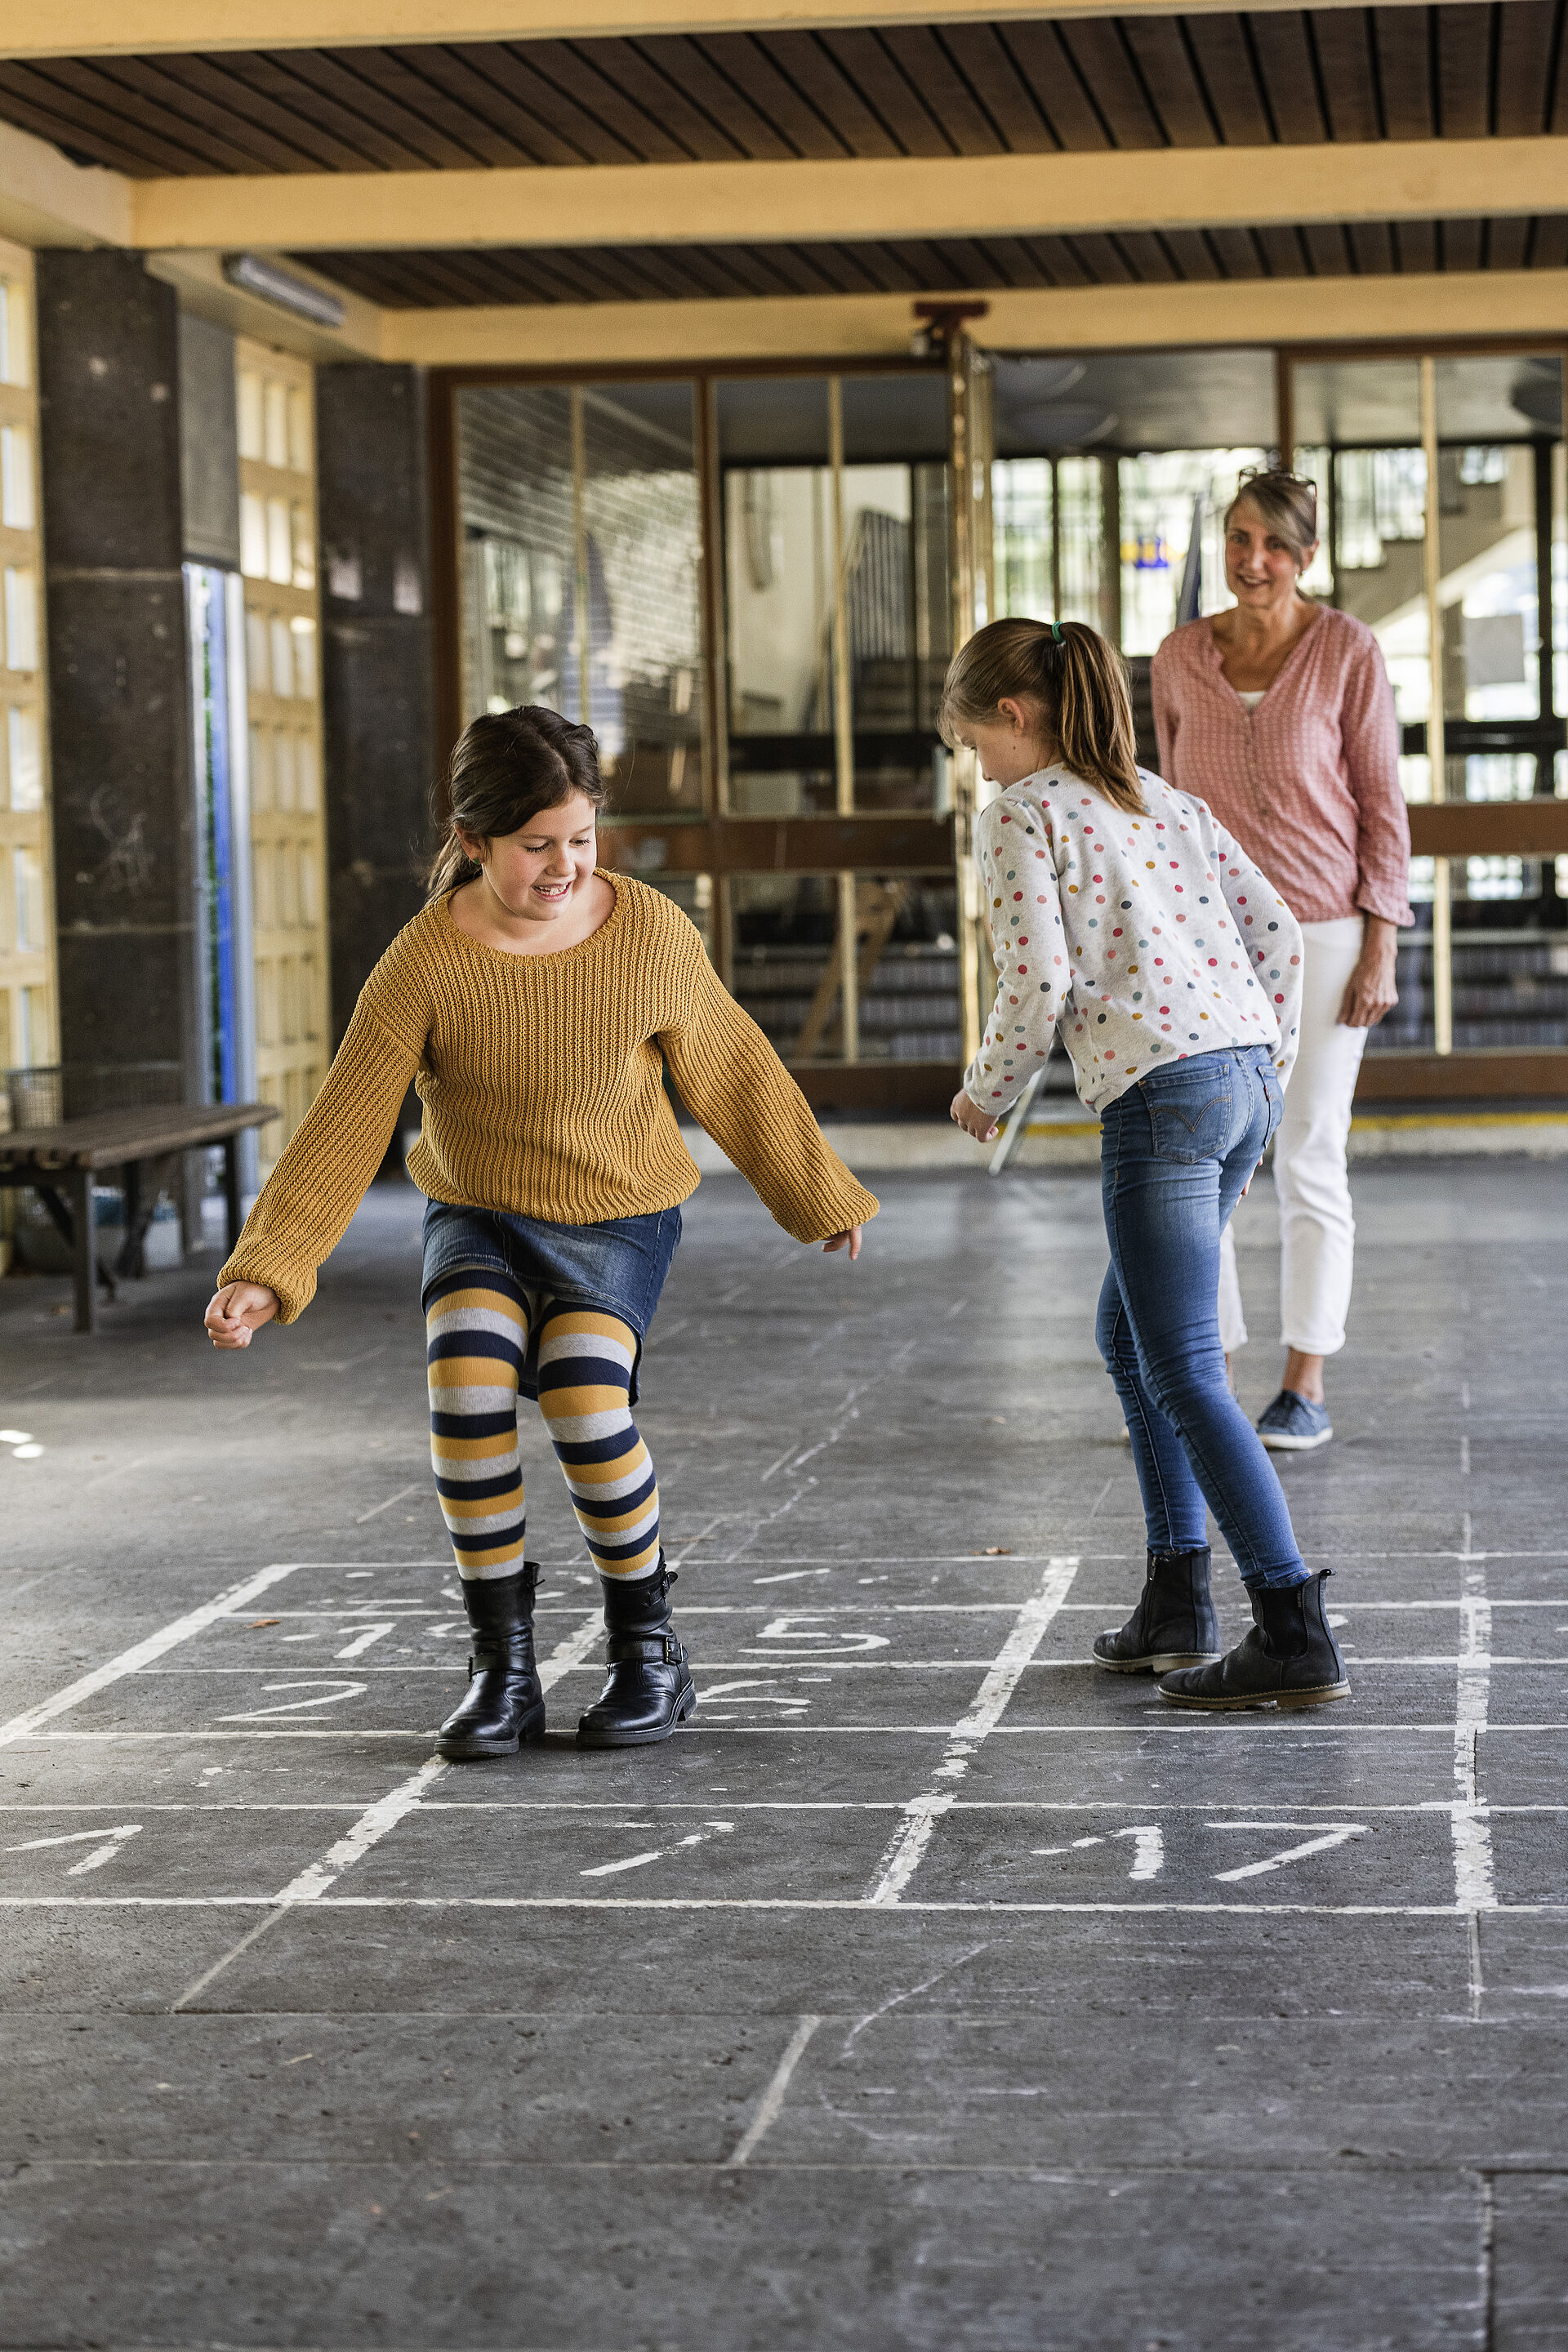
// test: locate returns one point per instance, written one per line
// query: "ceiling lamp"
(258, 276)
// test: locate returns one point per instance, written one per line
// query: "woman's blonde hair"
(1288, 506)
(1078, 683)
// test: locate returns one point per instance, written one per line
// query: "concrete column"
(120, 708)
(377, 669)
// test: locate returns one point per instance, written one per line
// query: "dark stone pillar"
(119, 709)
(377, 666)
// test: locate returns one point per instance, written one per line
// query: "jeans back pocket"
(1190, 1109)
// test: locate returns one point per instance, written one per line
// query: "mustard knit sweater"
(542, 1077)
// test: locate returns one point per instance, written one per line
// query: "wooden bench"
(63, 1159)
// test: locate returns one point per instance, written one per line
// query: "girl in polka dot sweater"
(1121, 914)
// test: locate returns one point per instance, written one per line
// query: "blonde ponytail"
(1076, 680)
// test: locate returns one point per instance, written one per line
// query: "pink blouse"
(1309, 781)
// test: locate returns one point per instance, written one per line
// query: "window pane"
(643, 552)
(253, 535)
(24, 759)
(1166, 500)
(785, 965)
(15, 477)
(514, 486)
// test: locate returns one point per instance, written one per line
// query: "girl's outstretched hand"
(837, 1242)
(972, 1120)
(238, 1309)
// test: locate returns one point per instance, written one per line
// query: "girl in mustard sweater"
(534, 1004)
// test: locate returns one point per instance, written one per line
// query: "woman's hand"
(837, 1242)
(1372, 991)
(238, 1309)
(972, 1120)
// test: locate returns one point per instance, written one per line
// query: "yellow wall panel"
(29, 1026)
(276, 406)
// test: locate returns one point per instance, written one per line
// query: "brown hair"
(506, 767)
(1077, 679)
(1288, 506)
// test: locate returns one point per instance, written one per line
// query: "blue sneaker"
(1293, 1425)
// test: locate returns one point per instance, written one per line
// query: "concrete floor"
(931, 1990)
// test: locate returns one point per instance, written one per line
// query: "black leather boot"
(649, 1690)
(1289, 1658)
(503, 1706)
(1174, 1623)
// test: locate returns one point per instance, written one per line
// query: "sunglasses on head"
(1251, 476)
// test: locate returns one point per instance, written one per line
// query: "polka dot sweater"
(1146, 939)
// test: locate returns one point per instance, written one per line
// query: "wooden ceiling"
(1291, 78)
(545, 274)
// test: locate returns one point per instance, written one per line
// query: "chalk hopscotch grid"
(1471, 1829)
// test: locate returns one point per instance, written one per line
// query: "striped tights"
(476, 1333)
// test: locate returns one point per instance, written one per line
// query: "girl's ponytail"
(1076, 681)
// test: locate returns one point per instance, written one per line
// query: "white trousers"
(1317, 1231)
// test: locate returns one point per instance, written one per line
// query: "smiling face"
(1260, 567)
(540, 873)
(1013, 743)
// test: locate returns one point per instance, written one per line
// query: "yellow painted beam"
(85, 28)
(1523, 302)
(44, 200)
(989, 195)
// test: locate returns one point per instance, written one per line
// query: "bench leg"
(132, 1258)
(86, 1251)
(232, 1218)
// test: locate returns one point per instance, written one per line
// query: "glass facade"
(750, 585)
(801, 684)
(1488, 965)
(581, 563)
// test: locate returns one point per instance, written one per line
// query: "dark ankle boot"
(503, 1705)
(1174, 1623)
(1289, 1659)
(650, 1689)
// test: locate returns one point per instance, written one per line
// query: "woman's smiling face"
(1260, 568)
(539, 873)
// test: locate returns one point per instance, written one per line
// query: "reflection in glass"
(781, 565)
(785, 965)
(1502, 539)
(581, 573)
(1163, 499)
(1049, 520)
(778, 538)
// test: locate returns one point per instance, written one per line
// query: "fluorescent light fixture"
(281, 286)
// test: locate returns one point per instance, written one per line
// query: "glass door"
(749, 586)
(1441, 505)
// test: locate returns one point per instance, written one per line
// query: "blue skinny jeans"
(1176, 1151)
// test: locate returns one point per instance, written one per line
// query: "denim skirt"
(617, 1267)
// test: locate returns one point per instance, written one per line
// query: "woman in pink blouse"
(1279, 714)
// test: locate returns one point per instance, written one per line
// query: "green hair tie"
(1056, 631)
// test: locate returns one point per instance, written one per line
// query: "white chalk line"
(1446, 1662)
(1166, 1725)
(907, 1850)
(1310, 1809)
(251, 1935)
(409, 1610)
(312, 1883)
(379, 1819)
(857, 1903)
(1474, 1887)
(142, 1654)
(773, 2098)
